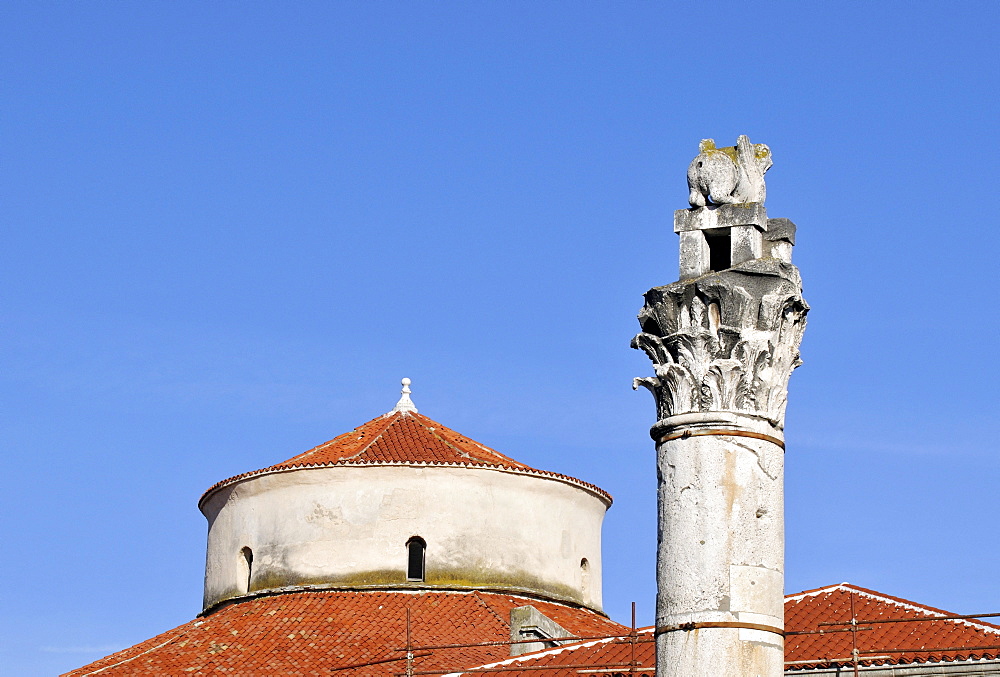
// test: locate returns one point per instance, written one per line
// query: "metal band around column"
(723, 433)
(663, 629)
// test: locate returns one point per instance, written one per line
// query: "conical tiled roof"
(404, 438)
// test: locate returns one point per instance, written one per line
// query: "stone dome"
(403, 502)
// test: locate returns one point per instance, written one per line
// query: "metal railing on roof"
(410, 653)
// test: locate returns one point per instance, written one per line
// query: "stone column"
(723, 345)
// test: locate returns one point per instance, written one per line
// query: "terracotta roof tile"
(568, 660)
(912, 642)
(403, 438)
(803, 612)
(311, 632)
(399, 436)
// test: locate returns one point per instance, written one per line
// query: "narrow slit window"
(415, 549)
(719, 254)
(246, 568)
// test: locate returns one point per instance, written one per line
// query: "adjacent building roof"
(879, 642)
(354, 634)
(897, 643)
(404, 438)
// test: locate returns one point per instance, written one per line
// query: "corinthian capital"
(725, 341)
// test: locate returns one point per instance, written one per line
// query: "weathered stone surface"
(720, 556)
(779, 239)
(727, 341)
(729, 175)
(695, 255)
(527, 622)
(723, 347)
(746, 244)
(722, 216)
(723, 341)
(780, 229)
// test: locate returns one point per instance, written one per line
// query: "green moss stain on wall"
(446, 578)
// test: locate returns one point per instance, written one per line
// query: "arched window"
(415, 548)
(246, 569)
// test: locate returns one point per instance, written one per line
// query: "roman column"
(723, 340)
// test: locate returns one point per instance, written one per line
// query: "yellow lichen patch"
(278, 580)
(730, 151)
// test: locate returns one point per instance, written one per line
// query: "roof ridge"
(180, 631)
(324, 445)
(814, 591)
(586, 644)
(503, 621)
(923, 608)
(391, 419)
(897, 601)
(489, 450)
(434, 432)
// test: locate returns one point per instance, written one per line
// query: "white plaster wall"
(348, 526)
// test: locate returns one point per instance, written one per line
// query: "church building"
(400, 533)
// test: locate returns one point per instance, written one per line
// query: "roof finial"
(405, 404)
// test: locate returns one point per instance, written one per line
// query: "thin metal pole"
(631, 641)
(854, 637)
(533, 640)
(524, 668)
(944, 648)
(409, 646)
(383, 661)
(789, 633)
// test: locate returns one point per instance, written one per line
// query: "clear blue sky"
(229, 229)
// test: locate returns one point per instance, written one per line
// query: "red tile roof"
(803, 613)
(912, 642)
(404, 438)
(569, 660)
(312, 632)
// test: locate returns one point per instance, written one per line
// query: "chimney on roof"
(723, 340)
(527, 622)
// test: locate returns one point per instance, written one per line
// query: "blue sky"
(229, 229)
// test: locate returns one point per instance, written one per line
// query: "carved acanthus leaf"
(725, 342)
(680, 390)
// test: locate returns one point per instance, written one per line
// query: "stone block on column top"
(721, 216)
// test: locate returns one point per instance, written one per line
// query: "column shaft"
(720, 557)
